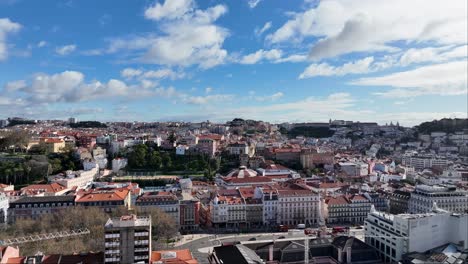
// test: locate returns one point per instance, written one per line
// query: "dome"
(242, 172)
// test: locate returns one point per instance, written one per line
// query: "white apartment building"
(118, 164)
(395, 235)
(420, 162)
(297, 206)
(228, 209)
(447, 197)
(4, 204)
(75, 178)
(270, 204)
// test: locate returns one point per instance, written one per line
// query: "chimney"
(270, 252)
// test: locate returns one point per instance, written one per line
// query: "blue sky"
(279, 61)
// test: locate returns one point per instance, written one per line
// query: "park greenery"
(92, 218)
(144, 157)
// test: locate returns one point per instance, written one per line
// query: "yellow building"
(53, 145)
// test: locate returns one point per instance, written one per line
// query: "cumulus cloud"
(345, 26)
(271, 55)
(65, 50)
(441, 79)
(169, 9)
(7, 27)
(70, 86)
(188, 36)
(324, 69)
(129, 73)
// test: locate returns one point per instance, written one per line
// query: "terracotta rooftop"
(182, 256)
(114, 195)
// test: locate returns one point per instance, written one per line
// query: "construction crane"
(46, 236)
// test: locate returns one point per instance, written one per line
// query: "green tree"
(56, 165)
(166, 160)
(154, 160)
(137, 158)
(172, 138)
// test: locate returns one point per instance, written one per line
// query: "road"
(201, 245)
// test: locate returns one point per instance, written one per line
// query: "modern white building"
(395, 235)
(420, 162)
(118, 164)
(447, 197)
(4, 204)
(75, 178)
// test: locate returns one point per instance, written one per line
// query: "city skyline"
(193, 60)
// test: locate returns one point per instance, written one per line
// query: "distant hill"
(15, 122)
(88, 124)
(447, 125)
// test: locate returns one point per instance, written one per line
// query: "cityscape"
(233, 132)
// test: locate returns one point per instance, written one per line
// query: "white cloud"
(442, 79)
(70, 86)
(259, 31)
(208, 89)
(271, 55)
(189, 35)
(292, 58)
(6, 27)
(172, 9)
(253, 3)
(432, 54)
(209, 99)
(163, 74)
(324, 69)
(41, 44)
(15, 85)
(345, 26)
(129, 73)
(65, 50)
(273, 97)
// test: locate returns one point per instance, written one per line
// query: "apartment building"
(447, 197)
(395, 235)
(80, 178)
(420, 162)
(4, 204)
(165, 201)
(128, 240)
(35, 206)
(351, 209)
(108, 200)
(269, 196)
(228, 209)
(298, 206)
(398, 201)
